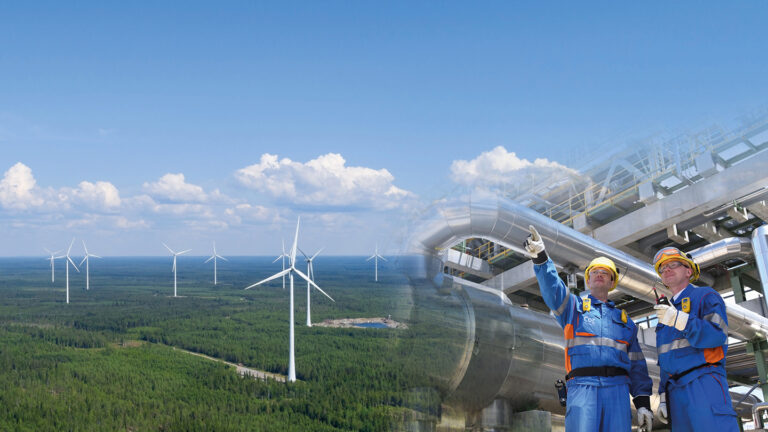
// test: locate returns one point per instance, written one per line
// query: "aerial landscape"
(116, 357)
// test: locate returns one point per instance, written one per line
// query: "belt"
(603, 371)
(686, 372)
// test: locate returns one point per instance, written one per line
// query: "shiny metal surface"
(486, 215)
(760, 246)
(723, 250)
(488, 348)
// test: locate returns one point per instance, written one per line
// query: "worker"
(691, 338)
(603, 360)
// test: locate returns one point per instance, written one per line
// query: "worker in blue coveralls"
(603, 360)
(691, 338)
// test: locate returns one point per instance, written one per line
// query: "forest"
(114, 359)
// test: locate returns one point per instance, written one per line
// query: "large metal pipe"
(760, 246)
(723, 250)
(488, 216)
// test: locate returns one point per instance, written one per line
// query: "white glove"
(534, 244)
(661, 412)
(669, 316)
(645, 419)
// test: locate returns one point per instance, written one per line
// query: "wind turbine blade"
(305, 255)
(46, 249)
(73, 263)
(221, 257)
(174, 264)
(183, 252)
(295, 242)
(85, 248)
(94, 256)
(276, 259)
(382, 257)
(317, 253)
(273, 277)
(371, 257)
(84, 258)
(208, 259)
(169, 249)
(303, 276)
(70, 246)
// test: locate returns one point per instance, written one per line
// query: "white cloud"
(18, 188)
(499, 166)
(173, 187)
(247, 213)
(98, 195)
(324, 181)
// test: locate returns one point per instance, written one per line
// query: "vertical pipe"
(760, 247)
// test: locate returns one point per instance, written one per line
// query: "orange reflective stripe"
(713, 355)
(584, 334)
(568, 333)
(621, 341)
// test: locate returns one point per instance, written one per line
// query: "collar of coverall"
(596, 300)
(678, 298)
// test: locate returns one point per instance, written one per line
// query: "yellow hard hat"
(606, 263)
(675, 254)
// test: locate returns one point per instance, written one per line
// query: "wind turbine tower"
(175, 254)
(67, 263)
(375, 257)
(213, 257)
(290, 271)
(53, 257)
(311, 274)
(87, 271)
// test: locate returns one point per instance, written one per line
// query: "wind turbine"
(87, 261)
(283, 256)
(213, 257)
(53, 257)
(375, 257)
(175, 254)
(69, 261)
(311, 274)
(290, 271)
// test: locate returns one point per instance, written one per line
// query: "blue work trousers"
(702, 405)
(593, 408)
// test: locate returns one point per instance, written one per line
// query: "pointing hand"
(533, 244)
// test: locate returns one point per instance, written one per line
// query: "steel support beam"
(707, 195)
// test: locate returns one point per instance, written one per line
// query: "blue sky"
(128, 123)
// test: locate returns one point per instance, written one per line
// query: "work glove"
(534, 245)
(669, 316)
(644, 419)
(661, 412)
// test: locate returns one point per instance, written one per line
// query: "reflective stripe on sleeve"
(635, 356)
(596, 341)
(716, 319)
(675, 344)
(561, 309)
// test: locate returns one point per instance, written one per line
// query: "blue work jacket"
(596, 334)
(704, 339)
